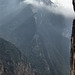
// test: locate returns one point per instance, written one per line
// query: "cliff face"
(12, 62)
(38, 34)
(72, 59)
(73, 49)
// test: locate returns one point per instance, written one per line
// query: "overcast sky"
(64, 6)
(64, 3)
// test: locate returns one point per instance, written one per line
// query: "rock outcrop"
(12, 62)
(72, 61)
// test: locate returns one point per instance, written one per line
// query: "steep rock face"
(72, 52)
(72, 61)
(35, 54)
(12, 62)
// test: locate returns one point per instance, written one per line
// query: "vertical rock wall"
(72, 62)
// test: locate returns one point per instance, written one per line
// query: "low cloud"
(57, 9)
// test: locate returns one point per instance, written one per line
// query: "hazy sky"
(63, 6)
(64, 3)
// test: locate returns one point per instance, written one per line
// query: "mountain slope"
(12, 62)
(39, 36)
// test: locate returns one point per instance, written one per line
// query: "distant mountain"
(38, 35)
(48, 2)
(12, 62)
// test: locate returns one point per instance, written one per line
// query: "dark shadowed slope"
(12, 62)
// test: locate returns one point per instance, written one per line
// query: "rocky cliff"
(12, 62)
(72, 58)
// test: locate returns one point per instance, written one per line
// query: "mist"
(58, 9)
(9, 7)
(54, 8)
(12, 8)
